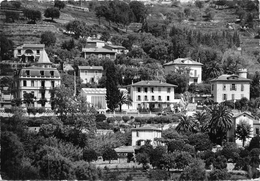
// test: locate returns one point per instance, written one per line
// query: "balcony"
(42, 89)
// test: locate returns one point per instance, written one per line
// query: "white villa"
(152, 94)
(193, 68)
(230, 87)
(90, 74)
(142, 134)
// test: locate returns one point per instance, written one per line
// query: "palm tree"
(202, 117)
(220, 122)
(186, 124)
(213, 70)
(243, 131)
(124, 99)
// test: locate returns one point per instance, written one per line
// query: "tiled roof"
(44, 59)
(91, 67)
(115, 46)
(125, 149)
(95, 41)
(146, 128)
(35, 72)
(97, 50)
(226, 77)
(153, 83)
(183, 61)
(31, 46)
(237, 114)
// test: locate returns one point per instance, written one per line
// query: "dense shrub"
(230, 151)
(158, 174)
(90, 155)
(254, 143)
(111, 120)
(100, 117)
(220, 162)
(118, 118)
(219, 174)
(141, 120)
(182, 160)
(195, 171)
(176, 145)
(125, 118)
(103, 125)
(200, 141)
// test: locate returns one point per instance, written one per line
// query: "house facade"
(98, 53)
(97, 97)
(94, 43)
(147, 133)
(230, 87)
(29, 52)
(247, 117)
(152, 94)
(193, 68)
(116, 48)
(39, 79)
(90, 74)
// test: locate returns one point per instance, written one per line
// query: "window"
(138, 89)
(92, 80)
(195, 80)
(38, 52)
(99, 55)
(195, 73)
(212, 87)
(139, 98)
(42, 73)
(168, 98)
(257, 131)
(224, 97)
(137, 133)
(159, 89)
(145, 98)
(19, 52)
(86, 72)
(152, 98)
(24, 83)
(242, 87)
(52, 84)
(43, 83)
(159, 98)
(224, 86)
(32, 83)
(96, 72)
(168, 90)
(27, 72)
(145, 89)
(233, 96)
(52, 73)
(152, 89)
(107, 55)
(43, 95)
(233, 87)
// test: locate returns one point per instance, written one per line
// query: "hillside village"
(130, 90)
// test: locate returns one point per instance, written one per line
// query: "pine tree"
(112, 95)
(236, 39)
(255, 86)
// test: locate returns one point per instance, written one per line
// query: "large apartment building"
(151, 94)
(39, 79)
(230, 87)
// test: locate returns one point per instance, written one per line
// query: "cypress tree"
(112, 91)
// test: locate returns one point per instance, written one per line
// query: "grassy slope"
(222, 17)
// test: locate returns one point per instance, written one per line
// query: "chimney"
(242, 73)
